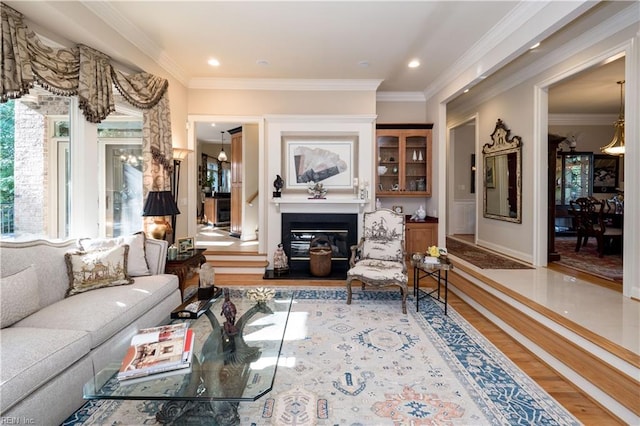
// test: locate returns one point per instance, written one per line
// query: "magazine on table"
(158, 350)
(155, 376)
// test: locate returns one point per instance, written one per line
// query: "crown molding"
(515, 19)
(582, 119)
(284, 84)
(400, 97)
(328, 118)
(107, 13)
(606, 29)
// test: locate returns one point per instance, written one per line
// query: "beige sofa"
(51, 343)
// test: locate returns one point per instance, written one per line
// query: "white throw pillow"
(137, 261)
(19, 296)
(96, 269)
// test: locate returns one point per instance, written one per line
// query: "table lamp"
(160, 204)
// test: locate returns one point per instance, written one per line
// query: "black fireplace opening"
(301, 231)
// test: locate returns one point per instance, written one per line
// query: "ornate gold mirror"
(502, 182)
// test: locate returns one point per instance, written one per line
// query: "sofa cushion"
(136, 260)
(30, 357)
(96, 269)
(103, 312)
(19, 296)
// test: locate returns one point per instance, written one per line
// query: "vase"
(420, 156)
(415, 155)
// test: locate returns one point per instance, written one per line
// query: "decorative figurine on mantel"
(277, 184)
(280, 261)
(317, 190)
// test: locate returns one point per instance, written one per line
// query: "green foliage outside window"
(7, 135)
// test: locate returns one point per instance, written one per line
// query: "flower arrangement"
(435, 251)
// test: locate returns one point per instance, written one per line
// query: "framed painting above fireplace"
(329, 160)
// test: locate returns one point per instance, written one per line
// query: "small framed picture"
(397, 209)
(185, 244)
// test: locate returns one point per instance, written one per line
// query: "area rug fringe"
(368, 364)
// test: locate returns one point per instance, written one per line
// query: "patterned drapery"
(16, 75)
(88, 73)
(95, 88)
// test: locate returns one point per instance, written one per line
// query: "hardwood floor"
(572, 398)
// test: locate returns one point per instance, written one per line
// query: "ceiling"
(285, 39)
(343, 40)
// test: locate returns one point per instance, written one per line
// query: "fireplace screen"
(302, 240)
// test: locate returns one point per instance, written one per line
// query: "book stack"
(158, 352)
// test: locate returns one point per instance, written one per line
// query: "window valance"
(89, 74)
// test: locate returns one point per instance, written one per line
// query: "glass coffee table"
(234, 360)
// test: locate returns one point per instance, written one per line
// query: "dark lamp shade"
(160, 203)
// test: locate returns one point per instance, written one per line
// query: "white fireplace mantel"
(330, 204)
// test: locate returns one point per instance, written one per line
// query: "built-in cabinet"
(404, 160)
(235, 229)
(419, 235)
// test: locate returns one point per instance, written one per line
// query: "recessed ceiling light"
(363, 64)
(414, 63)
(213, 124)
(213, 62)
(262, 62)
(534, 46)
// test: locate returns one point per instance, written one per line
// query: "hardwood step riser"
(609, 384)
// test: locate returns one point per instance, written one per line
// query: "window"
(34, 180)
(120, 158)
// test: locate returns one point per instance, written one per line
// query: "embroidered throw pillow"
(19, 296)
(97, 269)
(136, 261)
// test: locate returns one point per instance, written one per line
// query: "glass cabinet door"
(415, 177)
(388, 163)
(574, 174)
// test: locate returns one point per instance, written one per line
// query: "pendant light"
(222, 156)
(616, 146)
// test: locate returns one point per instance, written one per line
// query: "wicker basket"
(320, 257)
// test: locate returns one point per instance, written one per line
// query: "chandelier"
(222, 156)
(616, 146)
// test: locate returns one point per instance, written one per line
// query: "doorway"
(237, 185)
(573, 145)
(462, 184)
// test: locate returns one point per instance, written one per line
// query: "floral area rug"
(480, 257)
(608, 266)
(369, 364)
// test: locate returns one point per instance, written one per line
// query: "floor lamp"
(179, 154)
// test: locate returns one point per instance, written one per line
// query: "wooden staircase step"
(246, 263)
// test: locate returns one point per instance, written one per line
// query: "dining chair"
(590, 221)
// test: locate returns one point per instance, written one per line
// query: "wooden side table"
(185, 266)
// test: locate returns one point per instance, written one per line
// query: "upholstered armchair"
(379, 258)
